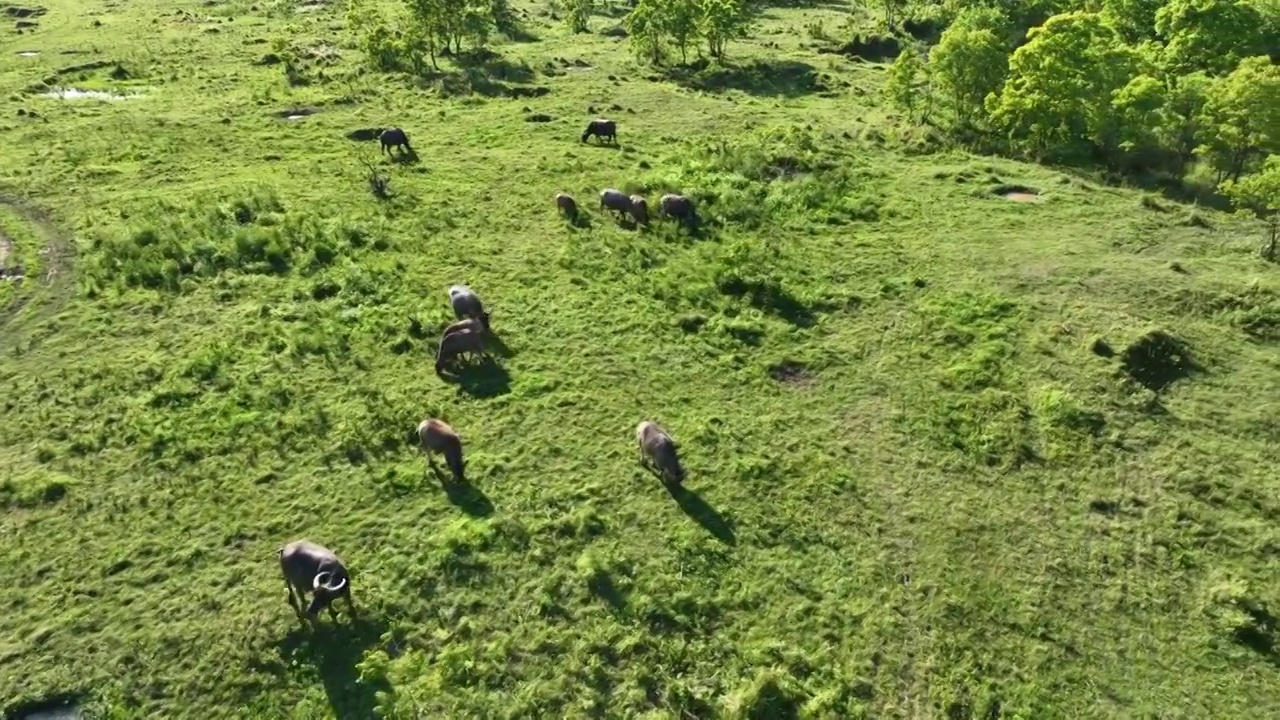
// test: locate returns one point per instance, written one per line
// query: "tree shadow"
(768, 296)
(493, 66)
(700, 510)
(484, 379)
(773, 78)
(477, 81)
(335, 649)
(466, 497)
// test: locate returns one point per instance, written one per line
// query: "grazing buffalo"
(394, 137)
(602, 129)
(308, 567)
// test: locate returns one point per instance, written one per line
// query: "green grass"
(929, 475)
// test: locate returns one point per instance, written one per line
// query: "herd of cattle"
(310, 567)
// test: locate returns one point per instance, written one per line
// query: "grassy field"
(949, 455)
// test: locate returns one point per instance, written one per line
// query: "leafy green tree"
(1181, 130)
(1060, 85)
(722, 21)
(968, 65)
(1135, 20)
(1260, 193)
(1140, 108)
(450, 22)
(680, 19)
(1018, 14)
(647, 29)
(1210, 35)
(982, 17)
(579, 14)
(1241, 116)
(905, 86)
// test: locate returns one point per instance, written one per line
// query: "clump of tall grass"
(169, 247)
(782, 175)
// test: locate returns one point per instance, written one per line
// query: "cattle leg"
(292, 602)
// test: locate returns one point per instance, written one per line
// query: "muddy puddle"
(79, 94)
(1018, 193)
(57, 712)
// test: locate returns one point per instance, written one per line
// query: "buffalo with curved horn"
(308, 567)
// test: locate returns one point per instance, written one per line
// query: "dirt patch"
(1158, 359)
(308, 6)
(6, 248)
(79, 94)
(57, 256)
(297, 113)
(365, 134)
(15, 11)
(1017, 193)
(791, 372)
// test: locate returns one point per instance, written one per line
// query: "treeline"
(1148, 87)
(1137, 85)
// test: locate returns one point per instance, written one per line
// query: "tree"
(1241, 116)
(1210, 35)
(647, 29)
(1260, 193)
(722, 21)
(905, 84)
(449, 22)
(579, 14)
(1141, 108)
(968, 65)
(1135, 20)
(680, 23)
(1060, 85)
(1184, 105)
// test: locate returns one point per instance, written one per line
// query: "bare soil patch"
(791, 372)
(297, 113)
(57, 256)
(80, 94)
(1017, 193)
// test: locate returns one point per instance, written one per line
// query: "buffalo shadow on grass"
(766, 78)
(335, 649)
(484, 379)
(768, 296)
(408, 156)
(703, 513)
(466, 497)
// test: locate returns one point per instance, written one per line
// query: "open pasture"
(962, 436)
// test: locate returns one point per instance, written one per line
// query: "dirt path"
(47, 293)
